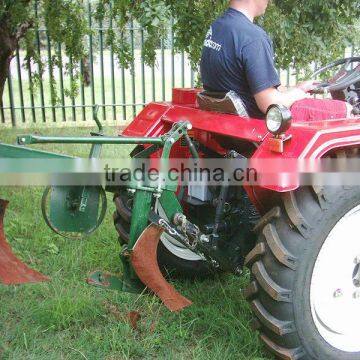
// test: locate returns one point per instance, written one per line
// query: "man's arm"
(284, 96)
(263, 79)
(271, 96)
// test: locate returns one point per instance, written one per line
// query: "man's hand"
(307, 86)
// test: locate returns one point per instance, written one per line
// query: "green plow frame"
(75, 209)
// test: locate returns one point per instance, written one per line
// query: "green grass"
(68, 319)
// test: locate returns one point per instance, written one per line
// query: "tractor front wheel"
(305, 288)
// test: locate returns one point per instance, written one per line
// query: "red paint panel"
(186, 97)
(148, 121)
(217, 123)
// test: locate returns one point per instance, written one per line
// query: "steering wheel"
(344, 78)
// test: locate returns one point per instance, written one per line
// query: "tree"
(303, 31)
(19, 20)
(14, 24)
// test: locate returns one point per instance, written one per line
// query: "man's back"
(238, 55)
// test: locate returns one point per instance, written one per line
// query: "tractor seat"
(229, 103)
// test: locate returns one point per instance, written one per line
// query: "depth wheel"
(305, 288)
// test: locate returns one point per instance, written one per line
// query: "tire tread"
(274, 290)
(275, 325)
(281, 352)
(255, 254)
(294, 213)
(277, 247)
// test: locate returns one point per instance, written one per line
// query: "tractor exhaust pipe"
(12, 270)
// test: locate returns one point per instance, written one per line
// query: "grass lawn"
(68, 319)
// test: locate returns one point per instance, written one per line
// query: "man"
(238, 55)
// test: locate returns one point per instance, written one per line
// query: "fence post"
(133, 67)
(143, 82)
(61, 82)
(112, 69)
(20, 86)
(91, 55)
(73, 104)
(101, 45)
(11, 100)
(40, 69)
(51, 69)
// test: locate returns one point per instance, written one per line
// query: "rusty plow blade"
(144, 262)
(12, 270)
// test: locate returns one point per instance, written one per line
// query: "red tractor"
(299, 241)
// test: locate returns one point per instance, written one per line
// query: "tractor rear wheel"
(173, 257)
(305, 288)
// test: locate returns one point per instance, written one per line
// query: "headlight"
(278, 119)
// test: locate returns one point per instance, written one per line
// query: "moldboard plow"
(77, 211)
(12, 270)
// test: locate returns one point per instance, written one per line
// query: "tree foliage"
(312, 30)
(302, 31)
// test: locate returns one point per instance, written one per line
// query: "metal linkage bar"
(35, 139)
(167, 140)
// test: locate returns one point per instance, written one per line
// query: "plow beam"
(12, 270)
(145, 264)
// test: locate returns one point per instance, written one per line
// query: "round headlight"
(278, 119)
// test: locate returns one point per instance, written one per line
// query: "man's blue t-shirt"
(238, 55)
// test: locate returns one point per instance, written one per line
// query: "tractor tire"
(169, 263)
(304, 288)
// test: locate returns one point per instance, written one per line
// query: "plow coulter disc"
(144, 262)
(12, 270)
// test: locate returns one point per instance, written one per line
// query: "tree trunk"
(5, 58)
(8, 45)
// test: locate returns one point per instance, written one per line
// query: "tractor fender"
(308, 142)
